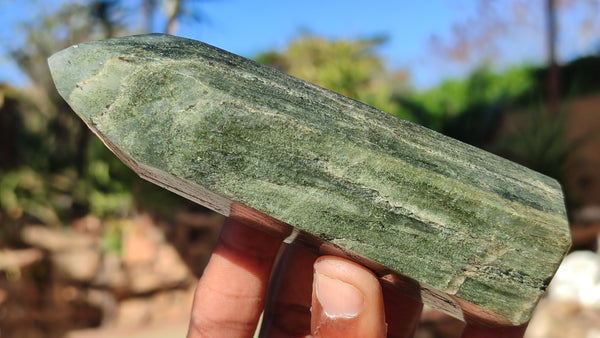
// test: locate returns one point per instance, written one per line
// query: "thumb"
(346, 300)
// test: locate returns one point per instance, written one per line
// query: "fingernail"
(337, 298)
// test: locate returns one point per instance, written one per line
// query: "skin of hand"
(304, 295)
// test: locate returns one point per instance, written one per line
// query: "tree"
(553, 70)
(484, 37)
(73, 23)
(349, 67)
(73, 172)
(177, 10)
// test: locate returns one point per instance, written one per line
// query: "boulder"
(78, 265)
(56, 240)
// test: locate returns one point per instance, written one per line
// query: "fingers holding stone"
(287, 307)
(230, 295)
(346, 300)
(403, 313)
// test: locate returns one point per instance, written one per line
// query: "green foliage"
(538, 142)
(112, 235)
(52, 168)
(42, 180)
(25, 191)
(485, 92)
(349, 67)
(576, 78)
(52, 197)
(542, 143)
(474, 109)
(470, 109)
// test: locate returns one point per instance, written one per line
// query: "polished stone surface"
(439, 211)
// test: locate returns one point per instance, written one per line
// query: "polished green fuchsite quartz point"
(218, 128)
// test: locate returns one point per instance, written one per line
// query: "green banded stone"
(218, 128)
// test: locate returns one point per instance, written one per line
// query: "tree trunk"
(553, 94)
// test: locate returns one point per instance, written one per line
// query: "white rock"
(56, 240)
(578, 279)
(133, 312)
(17, 259)
(79, 265)
(111, 273)
(167, 271)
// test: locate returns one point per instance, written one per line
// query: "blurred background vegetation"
(52, 170)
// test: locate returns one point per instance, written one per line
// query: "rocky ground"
(123, 274)
(135, 277)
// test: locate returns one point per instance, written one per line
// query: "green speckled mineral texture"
(446, 214)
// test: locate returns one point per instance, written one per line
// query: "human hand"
(308, 296)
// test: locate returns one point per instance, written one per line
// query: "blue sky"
(247, 27)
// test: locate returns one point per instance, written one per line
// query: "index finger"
(230, 295)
